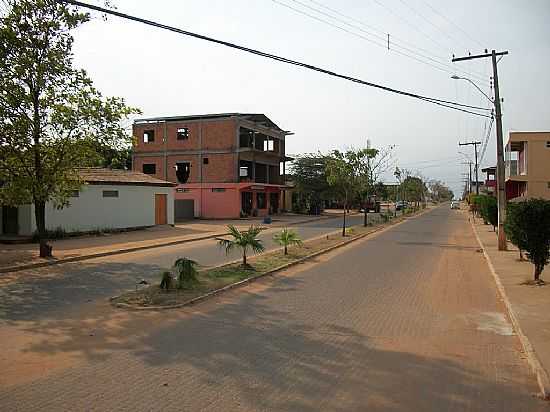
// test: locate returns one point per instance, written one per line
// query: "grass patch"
(208, 280)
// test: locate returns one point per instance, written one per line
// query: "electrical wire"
(442, 65)
(440, 102)
(451, 22)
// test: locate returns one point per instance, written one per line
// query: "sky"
(164, 73)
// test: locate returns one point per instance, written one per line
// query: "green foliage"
(243, 240)
(439, 192)
(186, 272)
(488, 209)
(308, 172)
(52, 118)
(166, 280)
(346, 174)
(287, 238)
(528, 227)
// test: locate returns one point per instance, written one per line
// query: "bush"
(488, 209)
(166, 280)
(186, 272)
(528, 226)
(510, 227)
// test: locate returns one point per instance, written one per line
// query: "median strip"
(216, 280)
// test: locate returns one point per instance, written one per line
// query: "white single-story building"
(109, 199)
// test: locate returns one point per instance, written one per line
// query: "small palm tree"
(287, 238)
(243, 239)
(186, 271)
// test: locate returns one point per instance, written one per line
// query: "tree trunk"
(286, 250)
(244, 257)
(344, 221)
(40, 217)
(538, 271)
(366, 217)
(521, 255)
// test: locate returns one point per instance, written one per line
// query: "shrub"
(243, 240)
(510, 228)
(166, 280)
(529, 226)
(488, 209)
(287, 238)
(186, 272)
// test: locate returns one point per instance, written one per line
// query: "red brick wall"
(220, 168)
(219, 134)
(158, 161)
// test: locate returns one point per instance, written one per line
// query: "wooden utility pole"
(475, 144)
(501, 196)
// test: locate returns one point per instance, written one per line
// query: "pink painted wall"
(220, 205)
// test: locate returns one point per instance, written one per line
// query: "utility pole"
(469, 176)
(501, 197)
(475, 144)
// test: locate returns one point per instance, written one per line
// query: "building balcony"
(516, 160)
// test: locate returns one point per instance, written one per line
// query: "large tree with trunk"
(52, 118)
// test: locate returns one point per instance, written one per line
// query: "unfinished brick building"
(225, 165)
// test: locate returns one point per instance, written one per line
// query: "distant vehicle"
(455, 204)
(402, 204)
(371, 204)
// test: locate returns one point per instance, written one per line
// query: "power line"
(486, 142)
(451, 22)
(440, 102)
(383, 44)
(431, 23)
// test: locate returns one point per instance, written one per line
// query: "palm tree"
(186, 271)
(287, 238)
(243, 239)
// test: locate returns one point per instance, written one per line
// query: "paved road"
(408, 320)
(45, 292)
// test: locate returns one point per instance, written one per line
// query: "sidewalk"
(25, 256)
(530, 305)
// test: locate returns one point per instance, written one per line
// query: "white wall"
(25, 218)
(134, 206)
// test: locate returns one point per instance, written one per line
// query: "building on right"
(528, 165)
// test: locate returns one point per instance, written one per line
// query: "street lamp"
(455, 77)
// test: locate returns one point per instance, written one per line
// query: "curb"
(270, 272)
(542, 376)
(136, 249)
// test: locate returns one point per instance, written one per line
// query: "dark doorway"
(184, 209)
(274, 203)
(10, 224)
(246, 202)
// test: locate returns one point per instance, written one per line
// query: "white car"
(455, 205)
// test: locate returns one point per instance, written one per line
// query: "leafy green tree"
(511, 229)
(287, 238)
(530, 227)
(52, 118)
(186, 272)
(345, 170)
(244, 240)
(308, 172)
(414, 189)
(439, 192)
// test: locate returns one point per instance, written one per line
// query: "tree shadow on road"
(259, 351)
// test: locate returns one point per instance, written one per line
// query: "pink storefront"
(227, 200)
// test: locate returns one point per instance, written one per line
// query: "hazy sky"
(165, 73)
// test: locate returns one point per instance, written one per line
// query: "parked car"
(371, 204)
(402, 204)
(455, 204)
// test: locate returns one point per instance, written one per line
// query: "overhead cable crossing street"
(440, 102)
